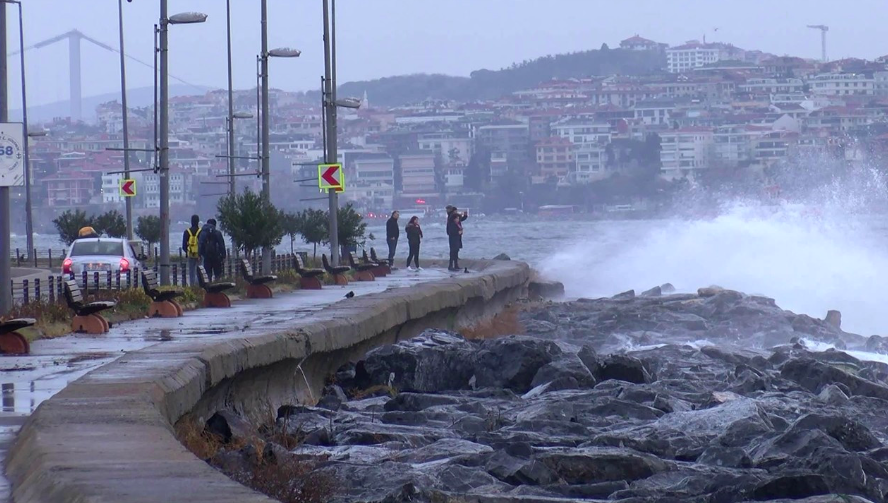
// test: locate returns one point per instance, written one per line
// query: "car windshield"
(83, 248)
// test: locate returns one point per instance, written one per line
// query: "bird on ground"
(349, 295)
(467, 270)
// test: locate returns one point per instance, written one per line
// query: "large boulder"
(624, 368)
(512, 362)
(433, 361)
(814, 375)
(567, 372)
(597, 464)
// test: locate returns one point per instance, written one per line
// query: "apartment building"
(683, 151)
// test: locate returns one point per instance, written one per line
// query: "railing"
(51, 286)
(45, 259)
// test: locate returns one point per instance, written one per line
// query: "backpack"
(192, 242)
(214, 249)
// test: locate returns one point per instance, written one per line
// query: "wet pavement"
(26, 381)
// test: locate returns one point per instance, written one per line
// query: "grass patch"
(505, 323)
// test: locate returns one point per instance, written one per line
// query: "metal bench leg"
(164, 309)
(340, 279)
(365, 276)
(310, 283)
(90, 324)
(216, 299)
(14, 343)
(259, 292)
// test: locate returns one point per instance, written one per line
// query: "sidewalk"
(53, 363)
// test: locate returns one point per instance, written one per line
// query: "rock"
(589, 357)
(627, 295)
(229, 426)
(833, 395)
(512, 362)
(814, 375)
(515, 471)
(591, 465)
(417, 402)
(728, 457)
(623, 368)
(667, 288)
(568, 372)
(653, 292)
(445, 448)
(433, 361)
(792, 487)
(877, 344)
(545, 289)
(834, 318)
(711, 291)
(333, 398)
(502, 256)
(853, 436)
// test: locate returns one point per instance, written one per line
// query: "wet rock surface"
(713, 397)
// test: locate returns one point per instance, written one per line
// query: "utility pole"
(29, 212)
(164, 171)
(5, 232)
(266, 182)
(330, 113)
(126, 152)
(232, 187)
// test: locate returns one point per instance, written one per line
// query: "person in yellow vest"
(190, 241)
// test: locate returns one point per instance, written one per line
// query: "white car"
(100, 255)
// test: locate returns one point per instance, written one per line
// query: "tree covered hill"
(491, 84)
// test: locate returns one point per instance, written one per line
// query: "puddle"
(208, 331)
(87, 357)
(164, 336)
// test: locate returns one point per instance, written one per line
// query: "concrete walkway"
(26, 381)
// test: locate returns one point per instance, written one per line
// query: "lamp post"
(232, 153)
(5, 233)
(232, 187)
(126, 152)
(283, 52)
(164, 167)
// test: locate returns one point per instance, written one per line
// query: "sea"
(809, 257)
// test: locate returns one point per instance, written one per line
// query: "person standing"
(392, 233)
(190, 240)
(414, 237)
(454, 235)
(211, 248)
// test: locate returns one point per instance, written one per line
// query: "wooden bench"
(214, 293)
(363, 272)
(381, 270)
(257, 286)
(309, 279)
(163, 303)
(12, 342)
(338, 272)
(86, 314)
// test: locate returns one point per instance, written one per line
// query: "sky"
(379, 38)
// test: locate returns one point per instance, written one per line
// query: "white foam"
(810, 258)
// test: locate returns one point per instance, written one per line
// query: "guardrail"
(51, 286)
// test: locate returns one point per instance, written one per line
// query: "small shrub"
(289, 481)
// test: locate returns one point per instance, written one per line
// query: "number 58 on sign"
(12, 154)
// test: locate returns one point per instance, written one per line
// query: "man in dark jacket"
(211, 248)
(392, 233)
(190, 247)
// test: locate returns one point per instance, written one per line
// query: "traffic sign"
(127, 187)
(330, 176)
(12, 154)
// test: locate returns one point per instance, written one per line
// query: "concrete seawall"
(109, 436)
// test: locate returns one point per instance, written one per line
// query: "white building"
(446, 142)
(374, 180)
(841, 84)
(580, 131)
(772, 86)
(683, 151)
(636, 43)
(653, 112)
(691, 55)
(590, 164)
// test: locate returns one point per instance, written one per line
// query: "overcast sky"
(378, 38)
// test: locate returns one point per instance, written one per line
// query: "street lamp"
(348, 103)
(164, 167)
(128, 201)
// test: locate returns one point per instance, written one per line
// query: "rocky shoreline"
(714, 397)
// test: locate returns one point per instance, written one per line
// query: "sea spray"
(811, 258)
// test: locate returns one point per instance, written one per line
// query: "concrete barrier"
(109, 436)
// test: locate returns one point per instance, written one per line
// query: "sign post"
(12, 154)
(12, 173)
(330, 176)
(127, 187)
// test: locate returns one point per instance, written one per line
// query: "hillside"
(490, 84)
